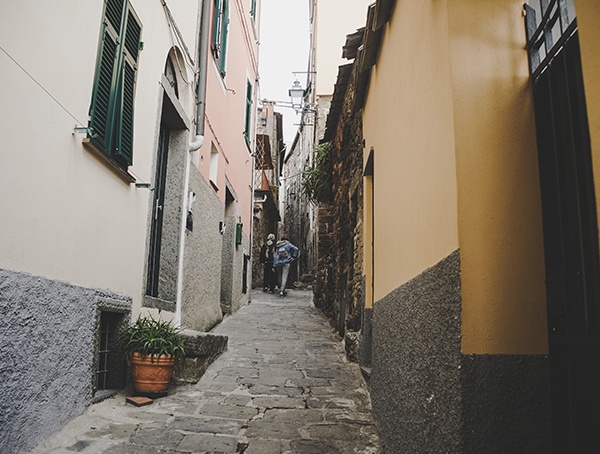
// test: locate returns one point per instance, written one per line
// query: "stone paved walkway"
(283, 386)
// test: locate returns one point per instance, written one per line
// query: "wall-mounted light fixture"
(296, 95)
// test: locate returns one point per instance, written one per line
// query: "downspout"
(253, 152)
(193, 146)
(202, 71)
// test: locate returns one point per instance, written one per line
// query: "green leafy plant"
(316, 184)
(150, 337)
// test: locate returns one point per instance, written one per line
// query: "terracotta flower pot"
(152, 376)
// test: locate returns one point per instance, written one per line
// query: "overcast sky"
(284, 44)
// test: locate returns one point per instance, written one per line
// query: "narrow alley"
(282, 386)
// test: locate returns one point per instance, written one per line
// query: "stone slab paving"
(282, 387)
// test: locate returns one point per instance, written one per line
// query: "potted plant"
(152, 346)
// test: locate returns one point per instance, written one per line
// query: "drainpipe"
(193, 146)
(253, 152)
(202, 71)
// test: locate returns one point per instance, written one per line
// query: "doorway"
(570, 228)
(158, 212)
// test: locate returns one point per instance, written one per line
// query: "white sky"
(284, 47)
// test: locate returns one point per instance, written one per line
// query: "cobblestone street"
(283, 386)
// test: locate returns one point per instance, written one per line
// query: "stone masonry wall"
(339, 286)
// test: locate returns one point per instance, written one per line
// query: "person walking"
(267, 254)
(285, 254)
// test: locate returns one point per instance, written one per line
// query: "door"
(570, 234)
(158, 212)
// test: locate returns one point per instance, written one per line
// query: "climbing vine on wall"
(316, 184)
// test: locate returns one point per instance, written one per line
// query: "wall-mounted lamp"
(297, 95)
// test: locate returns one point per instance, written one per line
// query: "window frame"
(220, 34)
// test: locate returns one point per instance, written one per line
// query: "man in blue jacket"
(285, 254)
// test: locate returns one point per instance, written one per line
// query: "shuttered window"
(248, 122)
(253, 9)
(220, 30)
(111, 110)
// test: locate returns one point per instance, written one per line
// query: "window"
(171, 76)
(111, 110)
(248, 122)
(253, 9)
(220, 29)
(214, 165)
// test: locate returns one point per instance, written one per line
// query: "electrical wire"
(43, 88)
(174, 30)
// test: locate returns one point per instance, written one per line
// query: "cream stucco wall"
(588, 21)
(499, 208)
(408, 123)
(65, 215)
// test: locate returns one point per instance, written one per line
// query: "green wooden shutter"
(111, 110)
(130, 52)
(217, 29)
(102, 107)
(225, 24)
(253, 9)
(238, 233)
(248, 123)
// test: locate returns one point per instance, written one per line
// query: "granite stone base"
(428, 397)
(505, 404)
(201, 350)
(415, 381)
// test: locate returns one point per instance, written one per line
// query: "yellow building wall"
(452, 127)
(499, 208)
(588, 21)
(407, 120)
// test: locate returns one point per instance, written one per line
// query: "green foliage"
(150, 337)
(316, 184)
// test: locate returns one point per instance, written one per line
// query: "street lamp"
(297, 95)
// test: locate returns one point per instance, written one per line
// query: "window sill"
(214, 185)
(157, 303)
(118, 170)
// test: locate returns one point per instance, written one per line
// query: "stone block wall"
(339, 281)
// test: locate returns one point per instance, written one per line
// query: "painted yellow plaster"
(407, 119)
(499, 208)
(450, 118)
(588, 21)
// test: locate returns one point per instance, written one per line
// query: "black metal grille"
(549, 23)
(102, 374)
